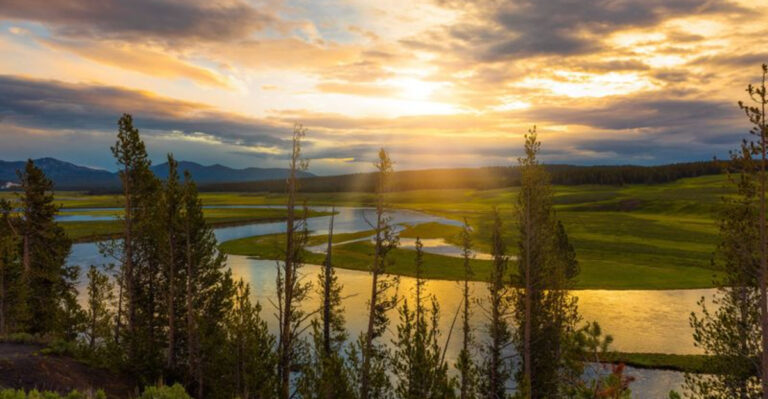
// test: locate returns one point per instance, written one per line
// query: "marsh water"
(639, 320)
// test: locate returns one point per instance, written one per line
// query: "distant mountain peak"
(67, 175)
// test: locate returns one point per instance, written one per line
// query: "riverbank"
(97, 230)
(358, 255)
(697, 364)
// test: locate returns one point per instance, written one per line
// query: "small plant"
(164, 392)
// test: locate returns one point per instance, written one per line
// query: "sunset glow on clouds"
(439, 83)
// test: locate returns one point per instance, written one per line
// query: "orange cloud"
(140, 59)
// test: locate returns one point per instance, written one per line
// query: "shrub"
(164, 392)
(35, 394)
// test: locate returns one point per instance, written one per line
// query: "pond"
(639, 320)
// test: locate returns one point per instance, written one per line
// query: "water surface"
(639, 320)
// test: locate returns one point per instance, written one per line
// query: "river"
(639, 320)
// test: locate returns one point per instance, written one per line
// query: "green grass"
(357, 255)
(663, 361)
(433, 230)
(635, 236)
(97, 230)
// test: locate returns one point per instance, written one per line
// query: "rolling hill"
(68, 176)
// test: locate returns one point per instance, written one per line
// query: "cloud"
(161, 20)
(283, 53)
(442, 83)
(140, 59)
(359, 89)
(57, 105)
(641, 112)
(564, 27)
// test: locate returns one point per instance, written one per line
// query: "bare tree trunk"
(2, 297)
(494, 377)
(128, 253)
(3, 266)
(763, 249)
(465, 325)
(286, 338)
(528, 299)
(327, 289)
(92, 338)
(171, 302)
(192, 339)
(365, 372)
(26, 257)
(119, 315)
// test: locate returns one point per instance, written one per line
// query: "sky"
(438, 83)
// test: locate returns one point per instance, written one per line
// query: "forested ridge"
(488, 178)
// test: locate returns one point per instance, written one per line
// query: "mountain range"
(68, 176)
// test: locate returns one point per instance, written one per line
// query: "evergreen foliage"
(418, 362)
(545, 314)
(731, 328)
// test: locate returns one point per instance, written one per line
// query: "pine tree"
(545, 314)
(732, 332)
(372, 366)
(172, 203)
(756, 115)
(254, 362)
(326, 375)
(208, 298)
(71, 317)
(10, 269)
(44, 249)
(418, 362)
(99, 311)
(465, 364)
(138, 189)
(587, 348)
(495, 370)
(291, 291)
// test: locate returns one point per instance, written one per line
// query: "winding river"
(639, 320)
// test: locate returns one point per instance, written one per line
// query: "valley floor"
(625, 237)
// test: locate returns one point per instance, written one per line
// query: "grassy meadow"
(626, 237)
(95, 230)
(629, 237)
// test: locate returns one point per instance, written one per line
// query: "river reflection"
(640, 321)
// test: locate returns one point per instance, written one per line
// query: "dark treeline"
(486, 178)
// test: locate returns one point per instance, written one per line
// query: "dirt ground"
(21, 366)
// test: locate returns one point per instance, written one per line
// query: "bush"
(62, 347)
(35, 394)
(165, 392)
(20, 338)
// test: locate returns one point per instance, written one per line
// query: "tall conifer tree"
(545, 314)
(326, 375)
(372, 368)
(131, 156)
(10, 270)
(291, 290)
(495, 369)
(418, 362)
(465, 364)
(45, 248)
(733, 332)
